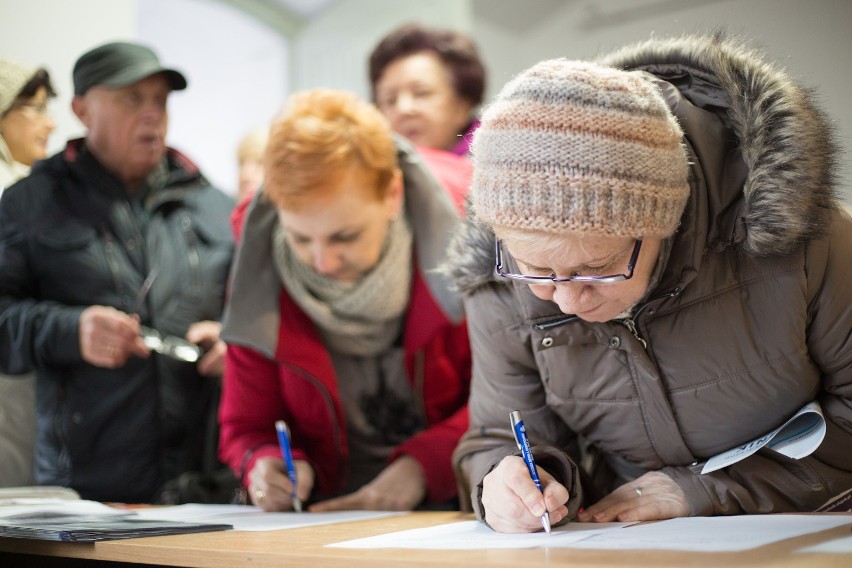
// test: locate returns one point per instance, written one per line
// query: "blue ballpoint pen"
(284, 444)
(524, 444)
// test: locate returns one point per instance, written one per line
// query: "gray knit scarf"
(361, 318)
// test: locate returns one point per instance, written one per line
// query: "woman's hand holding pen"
(512, 502)
(401, 486)
(269, 485)
(654, 496)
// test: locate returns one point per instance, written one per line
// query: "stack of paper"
(86, 521)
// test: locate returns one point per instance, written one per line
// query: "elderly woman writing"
(671, 282)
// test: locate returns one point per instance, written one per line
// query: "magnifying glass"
(170, 346)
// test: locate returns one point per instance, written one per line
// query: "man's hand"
(108, 337)
(206, 335)
(654, 496)
(269, 485)
(401, 486)
(512, 502)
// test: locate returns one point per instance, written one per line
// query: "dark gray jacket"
(69, 239)
(750, 318)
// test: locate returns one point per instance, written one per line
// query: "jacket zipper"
(192, 253)
(419, 379)
(630, 323)
(60, 430)
(112, 261)
(553, 323)
(326, 396)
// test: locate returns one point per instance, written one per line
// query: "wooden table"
(304, 548)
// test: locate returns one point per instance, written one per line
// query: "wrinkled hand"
(206, 335)
(401, 486)
(512, 502)
(659, 497)
(108, 337)
(269, 485)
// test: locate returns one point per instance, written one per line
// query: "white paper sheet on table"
(836, 546)
(250, 518)
(469, 535)
(700, 534)
(51, 507)
(714, 534)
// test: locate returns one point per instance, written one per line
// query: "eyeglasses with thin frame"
(552, 279)
(39, 109)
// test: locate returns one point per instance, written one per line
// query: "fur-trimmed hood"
(785, 147)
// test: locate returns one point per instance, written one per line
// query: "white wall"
(810, 38)
(333, 49)
(236, 68)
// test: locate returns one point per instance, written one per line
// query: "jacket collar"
(175, 171)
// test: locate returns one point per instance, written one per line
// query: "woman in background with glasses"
(25, 126)
(657, 271)
(338, 322)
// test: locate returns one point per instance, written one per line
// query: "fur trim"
(787, 142)
(469, 261)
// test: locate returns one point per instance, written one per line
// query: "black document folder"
(92, 528)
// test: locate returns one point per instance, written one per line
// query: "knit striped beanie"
(13, 78)
(574, 146)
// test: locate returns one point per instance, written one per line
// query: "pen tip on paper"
(545, 522)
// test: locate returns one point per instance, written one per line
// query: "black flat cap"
(120, 64)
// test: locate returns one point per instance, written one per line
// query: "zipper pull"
(631, 325)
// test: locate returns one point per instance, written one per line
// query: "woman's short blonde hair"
(320, 138)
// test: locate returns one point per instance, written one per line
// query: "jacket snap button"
(615, 342)
(547, 342)
(77, 418)
(131, 244)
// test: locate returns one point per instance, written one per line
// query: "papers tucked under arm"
(798, 437)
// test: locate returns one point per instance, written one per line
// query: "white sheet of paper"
(469, 535)
(11, 495)
(836, 546)
(714, 534)
(796, 438)
(250, 518)
(56, 507)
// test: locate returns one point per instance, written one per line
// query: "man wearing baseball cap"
(112, 237)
